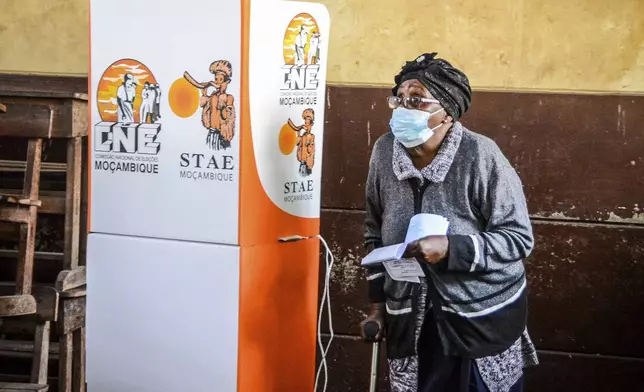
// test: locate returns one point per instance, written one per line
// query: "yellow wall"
(539, 44)
(594, 45)
(44, 36)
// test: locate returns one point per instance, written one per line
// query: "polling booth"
(206, 144)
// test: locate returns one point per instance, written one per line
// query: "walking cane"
(371, 330)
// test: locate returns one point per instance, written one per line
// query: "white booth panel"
(161, 315)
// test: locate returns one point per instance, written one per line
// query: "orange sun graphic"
(287, 139)
(301, 22)
(183, 98)
(113, 78)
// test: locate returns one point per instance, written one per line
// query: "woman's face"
(413, 88)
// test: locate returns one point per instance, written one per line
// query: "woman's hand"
(431, 249)
(377, 315)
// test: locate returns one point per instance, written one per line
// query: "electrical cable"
(329, 260)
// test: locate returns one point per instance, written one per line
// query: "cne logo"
(301, 54)
(140, 139)
(128, 102)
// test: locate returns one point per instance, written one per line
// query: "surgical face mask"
(409, 126)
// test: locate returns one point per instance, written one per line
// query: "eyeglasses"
(410, 102)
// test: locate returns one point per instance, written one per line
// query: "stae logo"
(299, 138)
(292, 135)
(301, 61)
(217, 106)
(218, 113)
(128, 102)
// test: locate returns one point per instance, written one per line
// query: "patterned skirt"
(440, 373)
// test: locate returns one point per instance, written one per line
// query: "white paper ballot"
(423, 225)
(406, 270)
(420, 225)
(387, 253)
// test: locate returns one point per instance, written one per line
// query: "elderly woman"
(463, 327)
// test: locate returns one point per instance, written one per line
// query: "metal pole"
(371, 331)
(375, 362)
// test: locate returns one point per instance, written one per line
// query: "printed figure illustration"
(300, 44)
(156, 108)
(305, 142)
(218, 107)
(314, 48)
(150, 99)
(126, 91)
(302, 41)
(147, 97)
(125, 96)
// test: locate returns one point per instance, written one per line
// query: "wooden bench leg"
(28, 231)
(65, 363)
(82, 247)
(73, 202)
(41, 354)
(79, 360)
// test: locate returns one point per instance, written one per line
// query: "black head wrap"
(447, 84)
